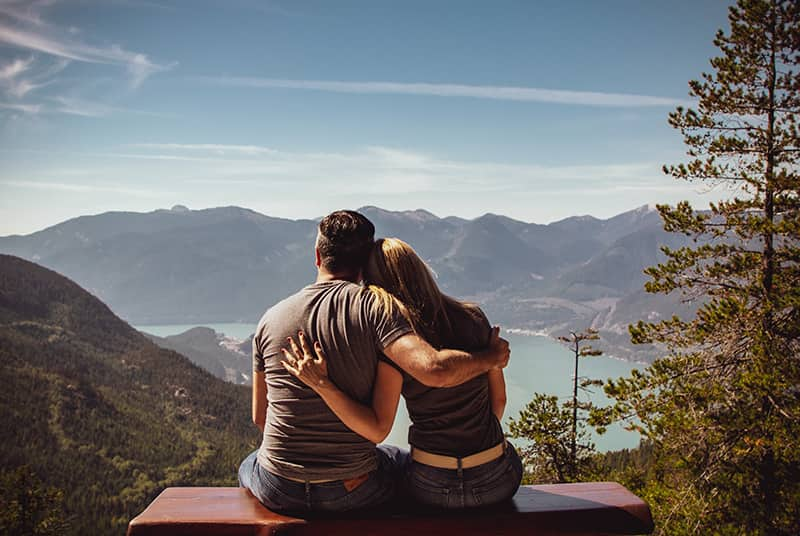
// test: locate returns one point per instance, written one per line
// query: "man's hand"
(498, 349)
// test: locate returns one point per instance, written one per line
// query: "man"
(309, 461)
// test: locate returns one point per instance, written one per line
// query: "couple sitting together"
(325, 399)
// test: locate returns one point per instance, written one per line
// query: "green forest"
(96, 419)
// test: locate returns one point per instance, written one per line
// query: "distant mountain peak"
(179, 208)
(585, 218)
(416, 214)
(421, 215)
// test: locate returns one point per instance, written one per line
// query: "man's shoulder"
(281, 309)
(300, 300)
(279, 306)
(335, 291)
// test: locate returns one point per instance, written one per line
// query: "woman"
(459, 457)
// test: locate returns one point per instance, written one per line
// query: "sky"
(538, 110)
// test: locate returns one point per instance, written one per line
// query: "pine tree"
(29, 507)
(558, 447)
(722, 409)
(575, 344)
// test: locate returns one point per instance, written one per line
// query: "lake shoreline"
(539, 363)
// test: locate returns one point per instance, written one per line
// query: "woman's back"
(455, 421)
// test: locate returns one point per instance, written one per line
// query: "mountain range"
(228, 264)
(98, 412)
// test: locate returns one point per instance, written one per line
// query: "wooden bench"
(575, 509)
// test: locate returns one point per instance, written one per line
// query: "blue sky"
(534, 109)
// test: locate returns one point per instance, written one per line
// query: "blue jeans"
(489, 483)
(290, 497)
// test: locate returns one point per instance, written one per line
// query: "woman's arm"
(497, 392)
(372, 423)
(259, 402)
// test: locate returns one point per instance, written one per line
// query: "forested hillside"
(99, 411)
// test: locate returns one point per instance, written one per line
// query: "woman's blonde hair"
(395, 268)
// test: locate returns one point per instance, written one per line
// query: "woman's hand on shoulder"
(306, 363)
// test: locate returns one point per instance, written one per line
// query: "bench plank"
(544, 510)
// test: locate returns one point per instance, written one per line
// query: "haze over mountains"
(229, 264)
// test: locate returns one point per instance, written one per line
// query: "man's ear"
(317, 258)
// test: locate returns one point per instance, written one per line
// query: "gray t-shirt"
(454, 421)
(303, 438)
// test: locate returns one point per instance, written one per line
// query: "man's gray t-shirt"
(303, 438)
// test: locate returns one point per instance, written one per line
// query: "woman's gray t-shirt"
(303, 438)
(454, 421)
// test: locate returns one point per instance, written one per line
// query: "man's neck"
(325, 275)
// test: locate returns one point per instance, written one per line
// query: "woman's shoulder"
(469, 323)
(469, 312)
(477, 313)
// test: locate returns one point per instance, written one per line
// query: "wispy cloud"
(84, 108)
(22, 87)
(34, 41)
(24, 26)
(506, 93)
(377, 169)
(26, 108)
(12, 80)
(14, 68)
(26, 11)
(139, 66)
(208, 147)
(166, 157)
(84, 188)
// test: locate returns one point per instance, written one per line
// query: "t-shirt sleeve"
(483, 328)
(258, 357)
(388, 326)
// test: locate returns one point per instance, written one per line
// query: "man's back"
(303, 439)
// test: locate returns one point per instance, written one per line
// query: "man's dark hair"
(345, 241)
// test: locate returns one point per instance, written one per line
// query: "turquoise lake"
(538, 364)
